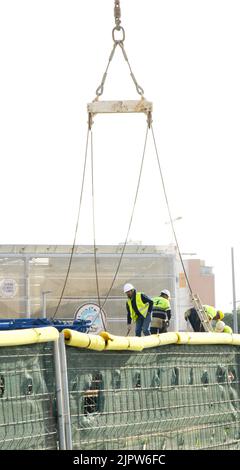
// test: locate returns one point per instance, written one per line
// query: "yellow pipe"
(135, 343)
(75, 338)
(235, 339)
(168, 338)
(96, 342)
(107, 341)
(28, 336)
(204, 338)
(83, 340)
(150, 341)
(115, 343)
(153, 341)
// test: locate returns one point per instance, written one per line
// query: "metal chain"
(118, 42)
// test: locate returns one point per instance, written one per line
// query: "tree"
(228, 318)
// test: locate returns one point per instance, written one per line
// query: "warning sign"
(8, 288)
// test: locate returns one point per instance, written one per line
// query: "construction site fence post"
(59, 397)
(65, 392)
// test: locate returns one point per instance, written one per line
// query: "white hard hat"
(166, 292)
(219, 326)
(127, 287)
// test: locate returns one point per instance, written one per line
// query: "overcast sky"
(185, 55)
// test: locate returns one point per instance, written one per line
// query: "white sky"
(185, 54)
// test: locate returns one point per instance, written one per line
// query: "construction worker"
(161, 313)
(139, 309)
(211, 312)
(221, 327)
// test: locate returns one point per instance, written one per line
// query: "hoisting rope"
(126, 239)
(76, 228)
(99, 92)
(130, 222)
(94, 239)
(133, 209)
(169, 212)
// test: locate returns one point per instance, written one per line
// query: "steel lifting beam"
(130, 106)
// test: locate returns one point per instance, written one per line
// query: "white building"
(32, 278)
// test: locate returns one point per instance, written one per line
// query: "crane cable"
(169, 213)
(94, 239)
(126, 238)
(131, 219)
(129, 225)
(133, 209)
(99, 92)
(76, 227)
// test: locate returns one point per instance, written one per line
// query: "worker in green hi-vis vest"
(221, 327)
(161, 312)
(191, 315)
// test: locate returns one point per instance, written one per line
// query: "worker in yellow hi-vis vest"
(139, 309)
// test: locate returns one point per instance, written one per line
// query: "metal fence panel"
(171, 397)
(27, 397)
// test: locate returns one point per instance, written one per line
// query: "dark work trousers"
(194, 320)
(143, 325)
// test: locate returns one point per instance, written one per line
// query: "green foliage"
(228, 319)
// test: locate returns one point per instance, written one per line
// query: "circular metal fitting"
(121, 30)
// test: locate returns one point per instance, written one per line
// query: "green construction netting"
(171, 397)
